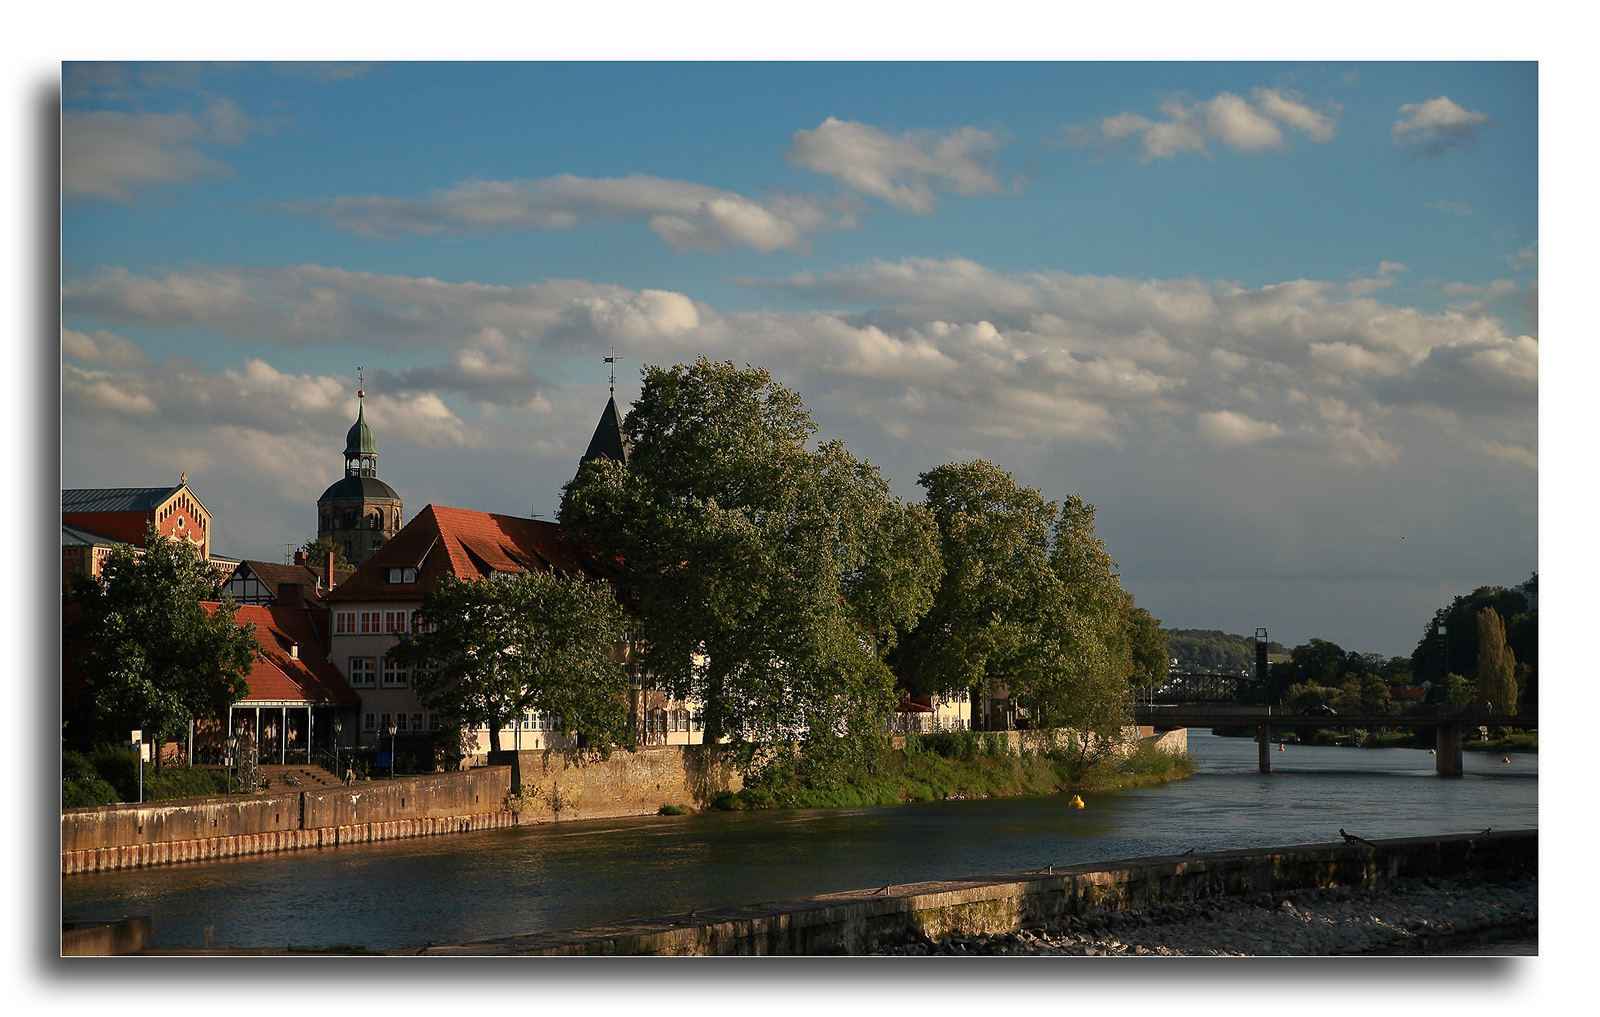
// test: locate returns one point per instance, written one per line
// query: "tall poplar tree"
(1497, 667)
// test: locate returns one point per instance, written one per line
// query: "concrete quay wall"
(861, 921)
(161, 833)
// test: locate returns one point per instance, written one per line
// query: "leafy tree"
(149, 655)
(1029, 600)
(768, 578)
(489, 650)
(317, 551)
(1497, 668)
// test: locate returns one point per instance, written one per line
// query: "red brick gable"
(442, 541)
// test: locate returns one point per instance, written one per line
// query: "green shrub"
(671, 810)
(726, 801)
(81, 793)
(183, 782)
(118, 766)
(76, 766)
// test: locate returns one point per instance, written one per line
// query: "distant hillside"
(1214, 650)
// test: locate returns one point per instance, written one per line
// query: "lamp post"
(392, 729)
(233, 760)
(337, 727)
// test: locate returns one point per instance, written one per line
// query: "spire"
(360, 447)
(608, 442)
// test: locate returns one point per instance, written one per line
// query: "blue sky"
(1277, 321)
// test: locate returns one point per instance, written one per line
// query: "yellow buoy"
(1076, 802)
(1280, 746)
(1432, 753)
(1505, 759)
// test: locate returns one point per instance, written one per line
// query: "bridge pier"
(1264, 748)
(1447, 747)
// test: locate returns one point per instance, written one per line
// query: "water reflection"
(407, 893)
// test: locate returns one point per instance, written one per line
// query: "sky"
(1277, 321)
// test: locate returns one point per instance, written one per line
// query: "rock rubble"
(1411, 916)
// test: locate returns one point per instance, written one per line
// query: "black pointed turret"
(608, 442)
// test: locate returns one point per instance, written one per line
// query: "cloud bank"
(1188, 125)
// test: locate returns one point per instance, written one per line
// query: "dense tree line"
(1457, 651)
(785, 589)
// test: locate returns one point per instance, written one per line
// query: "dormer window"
(403, 575)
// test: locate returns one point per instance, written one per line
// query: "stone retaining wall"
(160, 833)
(627, 784)
(861, 921)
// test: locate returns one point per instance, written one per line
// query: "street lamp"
(1261, 664)
(392, 729)
(337, 727)
(233, 752)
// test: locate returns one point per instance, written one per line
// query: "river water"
(399, 894)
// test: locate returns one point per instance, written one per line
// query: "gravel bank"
(1462, 915)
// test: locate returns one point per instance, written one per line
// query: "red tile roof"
(278, 678)
(442, 541)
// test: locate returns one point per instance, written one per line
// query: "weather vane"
(612, 360)
(361, 383)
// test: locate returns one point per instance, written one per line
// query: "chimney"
(327, 572)
(294, 651)
(299, 557)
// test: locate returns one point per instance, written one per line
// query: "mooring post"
(1263, 744)
(1447, 749)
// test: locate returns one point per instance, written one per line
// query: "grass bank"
(863, 771)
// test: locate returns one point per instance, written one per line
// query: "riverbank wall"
(161, 833)
(866, 921)
(559, 786)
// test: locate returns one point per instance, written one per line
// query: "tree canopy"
(150, 656)
(1459, 619)
(1029, 600)
(487, 650)
(768, 577)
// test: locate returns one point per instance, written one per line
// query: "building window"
(402, 575)
(433, 721)
(394, 621)
(416, 722)
(371, 622)
(344, 623)
(394, 673)
(369, 722)
(383, 723)
(400, 721)
(362, 670)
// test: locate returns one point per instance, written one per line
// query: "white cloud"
(1434, 127)
(905, 170)
(110, 154)
(687, 216)
(1243, 124)
(102, 349)
(1226, 427)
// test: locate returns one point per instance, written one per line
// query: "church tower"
(608, 441)
(360, 512)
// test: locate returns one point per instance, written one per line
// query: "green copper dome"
(359, 442)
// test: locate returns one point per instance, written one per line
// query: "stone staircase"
(308, 776)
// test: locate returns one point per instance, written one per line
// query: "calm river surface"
(401, 894)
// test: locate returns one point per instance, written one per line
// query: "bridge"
(1194, 700)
